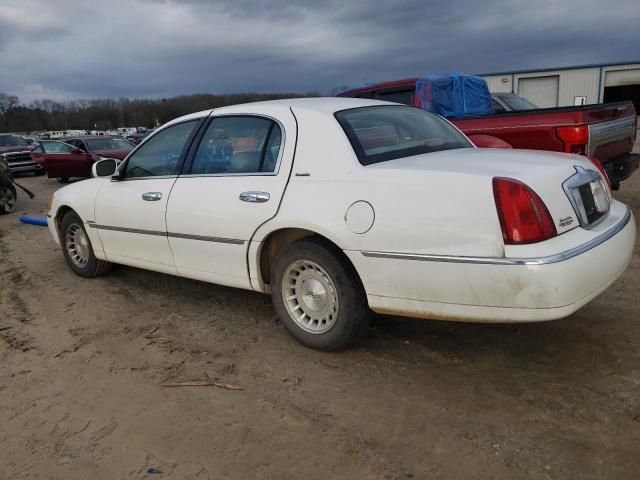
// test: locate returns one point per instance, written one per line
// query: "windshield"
(517, 103)
(12, 141)
(97, 144)
(382, 133)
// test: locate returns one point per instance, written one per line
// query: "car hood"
(119, 154)
(16, 148)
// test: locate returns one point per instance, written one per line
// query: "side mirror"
(105, 168)
(76, 151)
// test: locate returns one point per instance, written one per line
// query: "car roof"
(328, 105)
(90, 137)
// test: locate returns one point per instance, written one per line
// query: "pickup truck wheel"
(318, 296)
(7, 199)
(77, 248)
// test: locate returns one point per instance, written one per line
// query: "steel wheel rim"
(77, 245)
(7, 200)
(310, 296)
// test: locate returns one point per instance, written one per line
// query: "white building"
(580, 85)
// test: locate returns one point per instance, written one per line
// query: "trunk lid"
(544, 172)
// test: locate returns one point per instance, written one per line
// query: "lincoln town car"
(338, 207)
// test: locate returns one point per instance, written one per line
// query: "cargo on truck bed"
(605, 132)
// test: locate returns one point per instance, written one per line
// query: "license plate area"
(589, 196)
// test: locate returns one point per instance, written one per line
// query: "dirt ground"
(82, 361)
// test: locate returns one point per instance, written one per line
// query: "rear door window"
(238, 145)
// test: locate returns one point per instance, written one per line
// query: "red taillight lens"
(524, 218)
(575, 138)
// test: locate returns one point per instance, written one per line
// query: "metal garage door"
(618, 78)
(543, 91)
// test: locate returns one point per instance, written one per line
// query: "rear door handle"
(152, 196)
(255, 197)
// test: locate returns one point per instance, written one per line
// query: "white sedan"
(342, 206)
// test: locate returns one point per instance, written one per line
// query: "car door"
(57, 156)
(234, 182)
(130, 210)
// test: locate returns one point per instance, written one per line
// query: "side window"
(160, 154)
(403, 96)
(497, 108)
(56, 147)
(238, 145)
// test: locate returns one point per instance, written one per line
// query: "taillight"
(524, 218)
(575, 139)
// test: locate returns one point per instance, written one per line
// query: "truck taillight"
(524, 217)
(575, 139)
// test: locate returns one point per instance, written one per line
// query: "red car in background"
(74, 157)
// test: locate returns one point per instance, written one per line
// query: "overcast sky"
(66, 49)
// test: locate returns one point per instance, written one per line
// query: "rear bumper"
(530, 289)
(621, 168)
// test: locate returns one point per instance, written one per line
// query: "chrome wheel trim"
(77, 245)
(7, 200)
(310, 296)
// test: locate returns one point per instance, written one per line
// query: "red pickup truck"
(606, 132)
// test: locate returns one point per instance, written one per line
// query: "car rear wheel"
(63, 179)
(318, 295)
(7, 199)
(77, 248)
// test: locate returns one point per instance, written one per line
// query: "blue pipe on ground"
(42, 222)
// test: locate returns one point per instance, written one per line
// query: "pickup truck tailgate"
(602, 135)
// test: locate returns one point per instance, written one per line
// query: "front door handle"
(255, 197)
(152, 196)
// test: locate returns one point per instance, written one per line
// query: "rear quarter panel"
(435, 212)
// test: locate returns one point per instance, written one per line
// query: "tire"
(39, 173)
(77, 248)
(63, 179)
(321, 285)
(7, 199)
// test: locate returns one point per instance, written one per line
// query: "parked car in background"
(510, 102)
(336, 206)
(605, 132)
(138, 137)
(75, 156)
(16, 152)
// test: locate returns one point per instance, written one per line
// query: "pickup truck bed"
(606, 132)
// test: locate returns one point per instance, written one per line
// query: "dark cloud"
(153, 48)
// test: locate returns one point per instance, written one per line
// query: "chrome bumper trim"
(558, 257)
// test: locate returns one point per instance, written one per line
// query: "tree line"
(106, 113)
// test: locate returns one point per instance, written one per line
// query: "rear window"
(382, 133)
(517, 103)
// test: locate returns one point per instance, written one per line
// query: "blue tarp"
(454, 95)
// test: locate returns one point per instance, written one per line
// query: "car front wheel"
(7, 199)
(318, 295)
(77, 248)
